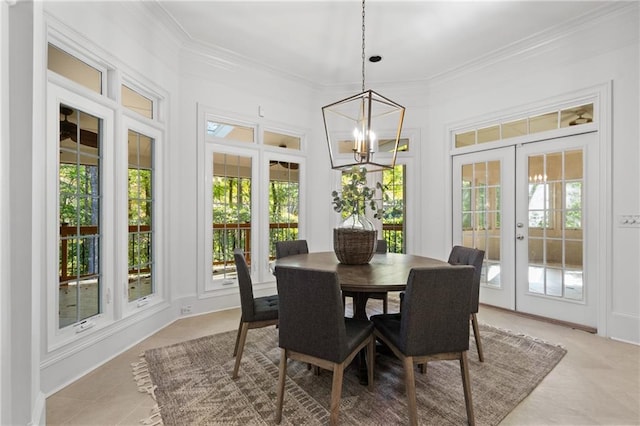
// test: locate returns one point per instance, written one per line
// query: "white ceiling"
(320, 41)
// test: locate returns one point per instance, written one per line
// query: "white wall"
(607, 51)
(5, 294)
(587, 56)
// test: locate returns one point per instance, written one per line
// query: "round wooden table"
(385, 272)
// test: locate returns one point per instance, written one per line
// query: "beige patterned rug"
(192, 384)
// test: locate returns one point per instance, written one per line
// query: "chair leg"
(423, 368)
(235, 349)
(385, 304)
(466, 384)
(336, 392)
(242, 336)
(410, 384)
(281, 381)
(476, 334)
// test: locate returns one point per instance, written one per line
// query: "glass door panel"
(480, 187)
(551, 247)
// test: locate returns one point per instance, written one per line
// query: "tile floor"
(597, 382)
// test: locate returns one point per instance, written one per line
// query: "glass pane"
(536, 169)
(281, 141)
(493, 173)
(576, 116)
(231, 205)
(536, 279)
(489, 134)
(467, 174)
(140, 213)
(466, 199)
(513, 129)
(573, 165)
(480, 173)
(232, 132)
(136, 102)
(284, 187)
(573, 254)
(543, 122)
(554, 169)
(465, 139)
(79, 216)
(74, 69)
(536, 253)
(554, 282)
(573, 284)
(394, 209)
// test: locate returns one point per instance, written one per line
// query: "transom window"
(574, 116)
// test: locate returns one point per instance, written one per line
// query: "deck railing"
(224, 236)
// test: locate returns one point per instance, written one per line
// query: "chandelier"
(364, 129)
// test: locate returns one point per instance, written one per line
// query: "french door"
(533, 209)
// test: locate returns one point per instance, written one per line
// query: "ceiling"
(320, 42)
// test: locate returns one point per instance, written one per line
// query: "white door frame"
(601, 96)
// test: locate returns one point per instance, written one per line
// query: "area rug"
(192, 383)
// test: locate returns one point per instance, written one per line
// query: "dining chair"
(291, 247)
(257, 312)
(461, 255)
(433, 325)
(381, 248)
(314, 330)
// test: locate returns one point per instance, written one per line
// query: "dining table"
(385, 272)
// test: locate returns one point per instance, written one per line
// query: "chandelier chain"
(363, 61)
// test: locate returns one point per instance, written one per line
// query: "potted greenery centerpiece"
(354, 241)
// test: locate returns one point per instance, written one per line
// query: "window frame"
(260, 154)
(58, 337)
(60, 89)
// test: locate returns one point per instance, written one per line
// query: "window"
(573, 116)
(284, 192)
(141, 206)
(80, 175)
(103, 189)
(230, 132)
(393, 222)
(251, 195)
(74, 69)
(136, 102)
(231, 205)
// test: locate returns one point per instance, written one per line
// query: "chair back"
(245, 285)
(311, 313)
(435, 312)
(470, 256)
(289, 248)
(381, 246)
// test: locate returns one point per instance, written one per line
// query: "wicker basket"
(354, 246)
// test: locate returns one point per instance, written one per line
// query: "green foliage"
(356, 196)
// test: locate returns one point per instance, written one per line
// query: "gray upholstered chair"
(433, 325)
(470, 256)
(461, 255)
(381, 248)
(291, 247)
(256, 312)
(314, 329)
